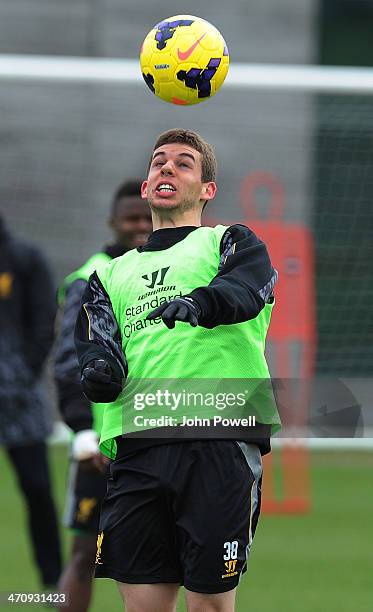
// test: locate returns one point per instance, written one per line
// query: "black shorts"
(86, 490)
(184, 513)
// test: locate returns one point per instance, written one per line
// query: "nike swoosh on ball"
(183, 55)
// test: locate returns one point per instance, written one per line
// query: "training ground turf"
(322, 561)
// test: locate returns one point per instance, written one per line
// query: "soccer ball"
(184, 60)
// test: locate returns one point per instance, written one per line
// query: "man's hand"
(98, 383)
(85, 449)
(180, 309)
(101, 462)
(85, 445)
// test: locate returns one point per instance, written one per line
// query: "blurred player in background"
(130, 222)
(181, 510)
(27, 314)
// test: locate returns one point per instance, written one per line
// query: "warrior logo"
(157, 275)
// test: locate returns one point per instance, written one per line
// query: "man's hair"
(194, 140)
(128, 189)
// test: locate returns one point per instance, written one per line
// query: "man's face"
(132, 222)
(174, 179)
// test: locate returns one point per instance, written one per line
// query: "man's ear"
(208, 190)
(144, 190)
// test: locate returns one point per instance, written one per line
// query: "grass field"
(319, 562)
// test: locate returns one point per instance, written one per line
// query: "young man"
(130, 222)
(180, 509)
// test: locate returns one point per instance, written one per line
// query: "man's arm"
(238, 292)
(98, 344)
(244, 283)
(74, 407)
(40, 310)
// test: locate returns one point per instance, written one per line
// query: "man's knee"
(216, 602)
(149, 597)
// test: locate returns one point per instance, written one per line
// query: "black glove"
(180, 309)
(98, 383)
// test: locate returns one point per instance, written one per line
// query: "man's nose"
(167, 168)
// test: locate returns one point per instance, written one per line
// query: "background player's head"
(185, 162)
(130, 219)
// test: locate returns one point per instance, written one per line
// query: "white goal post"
(323, 79)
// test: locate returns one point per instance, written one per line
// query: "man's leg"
(77, 577)
(31, 465)
(216, 510)
(216, 602)
(149, 597)
(85, 492)
(136, 546)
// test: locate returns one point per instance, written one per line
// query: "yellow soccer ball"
(184, 60)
